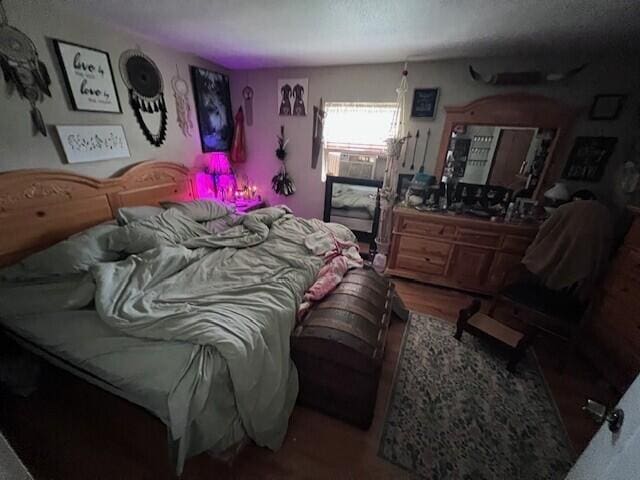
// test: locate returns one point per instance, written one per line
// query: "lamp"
(224, 180)
(558, 193)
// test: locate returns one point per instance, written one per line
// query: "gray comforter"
(231, 301)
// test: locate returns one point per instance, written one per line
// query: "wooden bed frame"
(41, 207)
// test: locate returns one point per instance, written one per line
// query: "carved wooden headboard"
(41, 207)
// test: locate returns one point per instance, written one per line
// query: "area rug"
(457, 413)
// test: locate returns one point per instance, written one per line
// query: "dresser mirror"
(354, 203)
(507, 141)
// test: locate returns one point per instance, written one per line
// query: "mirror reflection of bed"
(353, 202)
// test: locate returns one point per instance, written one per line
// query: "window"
(355, 137)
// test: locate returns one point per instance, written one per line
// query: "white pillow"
(76, 254)
(201, 210)
(128, 215)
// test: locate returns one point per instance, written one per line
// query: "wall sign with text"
(424, 103)
(90, 143)
(89, 78)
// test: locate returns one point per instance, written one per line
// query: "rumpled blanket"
(235, 294)
(572, 247)
(339, 257)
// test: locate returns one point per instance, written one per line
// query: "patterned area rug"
(457, 413)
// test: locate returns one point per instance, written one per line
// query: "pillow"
(76, 254)
(171, 227)
(127, 215)
(201, 210)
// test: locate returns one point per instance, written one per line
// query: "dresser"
(612, 338)
(456, 251)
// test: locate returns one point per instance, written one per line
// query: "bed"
(197, 333)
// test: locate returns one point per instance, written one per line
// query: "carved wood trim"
(45, 206)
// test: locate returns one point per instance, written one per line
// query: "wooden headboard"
(41, 207)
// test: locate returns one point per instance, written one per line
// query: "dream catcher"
(144, 81)
(183, 108)
(22, 69)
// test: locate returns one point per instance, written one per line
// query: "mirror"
(354, 203)
(501, 156)
(506, 141)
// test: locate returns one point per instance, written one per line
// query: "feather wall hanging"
(146, 92)
(524, 78)
(22, 68)
(282, 183)
(183, 108)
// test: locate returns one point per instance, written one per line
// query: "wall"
(20, 148)
(377, 83)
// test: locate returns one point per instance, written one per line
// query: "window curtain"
(358, 126)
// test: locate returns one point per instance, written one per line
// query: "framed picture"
(213, 108)
(606, 107)
(91, 143)
(425, 101)
(404, 179)
(292, 95)
(588, 158)
(88, 77)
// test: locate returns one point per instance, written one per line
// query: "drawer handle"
(427, 259)
(441, 230)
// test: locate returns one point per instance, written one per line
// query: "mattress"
(142, 371)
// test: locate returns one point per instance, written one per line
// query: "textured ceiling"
(268, 33)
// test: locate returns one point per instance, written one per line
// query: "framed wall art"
(293, 94)
(425, 102)
(588, 158)
(91, 143)
(606, 107)
(213, 108)
(88, 77)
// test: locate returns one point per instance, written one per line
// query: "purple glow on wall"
(218, 180)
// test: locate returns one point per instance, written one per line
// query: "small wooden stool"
(471, 320)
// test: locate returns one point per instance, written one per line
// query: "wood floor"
(71, 430)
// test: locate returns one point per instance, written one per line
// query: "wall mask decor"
(22, 68)
(293, 94)
(183, 107)
(524, 78)
(213, 107)
(318, 130)
(144, 82)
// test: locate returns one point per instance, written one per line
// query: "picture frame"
(213, 109)
(588, 158)
(607, 106)
(425, 103)
(293, 97)
(88, 77)
(404, 179)
(92, 143)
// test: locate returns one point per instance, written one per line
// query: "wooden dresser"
(613, 329)
(456, 251)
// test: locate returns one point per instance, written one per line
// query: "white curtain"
(358, 126)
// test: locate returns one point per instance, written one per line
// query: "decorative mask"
(144, 81)
(247, 95)
(22, 69)
(183, 108)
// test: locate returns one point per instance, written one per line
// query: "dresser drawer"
(417, 226)
(431, 251)
(516, 243)
(477, 237)
(418, 265)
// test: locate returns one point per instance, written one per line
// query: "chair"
(558, 313)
